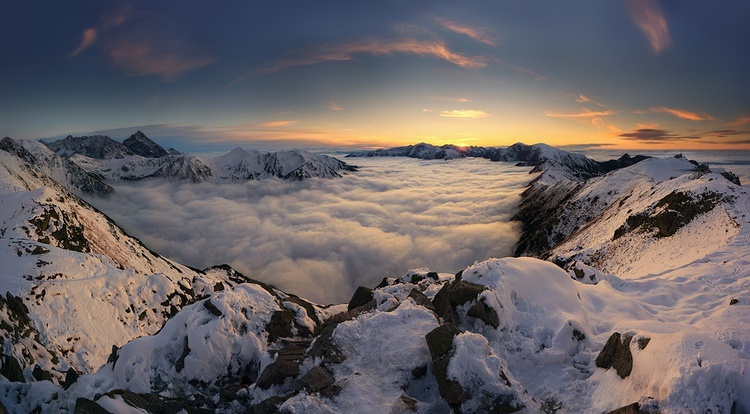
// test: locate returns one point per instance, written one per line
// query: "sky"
(322, 238)
(202, 76)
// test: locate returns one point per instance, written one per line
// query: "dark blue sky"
(205, 75)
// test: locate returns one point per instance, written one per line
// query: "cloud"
(167, 59)
(144, 44)
(585, 114)
(585, 99)
(743, 120)
(464, 113)
(449, 99)
(651, 135)
(679, 113)
(333, 106)
(374, 47)
(477, 33)
(89, 36)
(723, 133)
(648, 16)
(323, 238)
(274, 124)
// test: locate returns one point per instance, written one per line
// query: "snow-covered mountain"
(139, 157)
(557, 164)
(642, 307)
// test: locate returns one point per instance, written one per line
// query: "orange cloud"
(679, 113)
(743, 120)
(584, 114)
(464, 113)
(334, 107)
(89, 36)
(141, 57)
(274, 124)
(648, 16)
(477, 33)
(374, 47)
(585, 99)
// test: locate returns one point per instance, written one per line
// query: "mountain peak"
(142, 145)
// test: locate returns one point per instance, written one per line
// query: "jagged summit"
(142, 145)
(94, 146)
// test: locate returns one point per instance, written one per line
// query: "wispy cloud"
(333, 106)
(143, 57)
(274, 124)
(724, 133)
(679, 113)
(464, 113)
(88, 38)
(584, 114)
(582, 99)
(648, 16)
(373, 47)
(449, 99)
(477, 33)
(650, 135)
(142, 44)
(743, 120)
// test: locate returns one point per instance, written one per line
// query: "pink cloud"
(477, 33)
(648, 16)
(89, 36)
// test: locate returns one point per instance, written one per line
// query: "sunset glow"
(629, 74)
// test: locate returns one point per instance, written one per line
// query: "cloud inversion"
(322, 238)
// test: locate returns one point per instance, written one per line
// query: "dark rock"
(316, 379)
(578, 335)
(325, 347)
(134, 400)
(211, 307)
(346, 316)
(3, 410)
(113, 356)
(733, 301)
(454, 294)
(180, 363)
(440, 339)
(309, 309)
(485, 313)
(218, 287)
(421, 300)
(71, 376)
(11, 369)
(41, 375)
(633, 408)
(361, 296)
(276, 373)
(731, 177)
(450, 390)
(141, 145)
(280, 325)
(643, 342)
(616, 354)
(433, 275)
(383, 283)
(331, 391)
(86, 406)
(419, 372)
(404, 404)
(269, 405)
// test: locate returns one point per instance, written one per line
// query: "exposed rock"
(454, 294)
(404, 404)
(733, 301)
(325, 347)
(280, 325)
(346, 316)
(41, 375)
(643, 342)
(616, 354)
(11, 369)
(421, 300)
(269, 405)
(218, 287)
(316, 379)
(86, 406)
(440, 339)
(276, 373)
(637, 408)
(440, 343)
(383, 283)
(485, 313)
(71, 376)
(211, 308)
(140, 144)
(361, 297)
(180, 363)
(113, 356)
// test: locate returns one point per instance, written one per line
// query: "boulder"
(453, 294)
(361, 297)
(316, 379)
(616, 354)
(276, 373)
(71, 376)
(487, 314)
(440, 340)
(440, 343)
(11, 369)
(86, 406)
(421, 300)
(280, 325)
(41, 375)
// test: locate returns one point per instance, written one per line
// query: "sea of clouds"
(321, 238)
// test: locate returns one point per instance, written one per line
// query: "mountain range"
(629, 295)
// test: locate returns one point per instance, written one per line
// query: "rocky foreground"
(641, 307)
